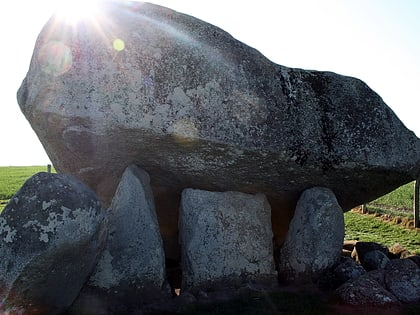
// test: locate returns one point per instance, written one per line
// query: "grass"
(368, 228)
(12, 178)
(397, 207)
(401, 198)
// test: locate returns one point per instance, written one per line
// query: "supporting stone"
(226, 238)
(52, 233)
(315, 237)
(131, 271)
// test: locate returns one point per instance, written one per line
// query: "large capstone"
(184, 100)
(51, 235)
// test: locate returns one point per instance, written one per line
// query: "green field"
(370, 229)
(400, 199)
(13, 177)
(361, 227)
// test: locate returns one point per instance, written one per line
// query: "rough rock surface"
(361, 248)
(402, 278)
(415, 259)
(225, 238)
(365, 291)
(348, 269)
(375, 259)
(394, 280)
(51, 235)
(196, 108)
(131, 270)
(315, 237)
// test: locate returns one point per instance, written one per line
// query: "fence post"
(364, 209)
(49, 168)
(416, 203)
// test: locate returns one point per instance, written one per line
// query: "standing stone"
(315, 237)
(225, 237)
(131, 271)
(51, 235)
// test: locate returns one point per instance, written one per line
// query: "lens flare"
(55, 58)
(118, 44)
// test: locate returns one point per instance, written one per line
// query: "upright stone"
(131, 271)
(225, 237)
(315, 237)
(51, 235)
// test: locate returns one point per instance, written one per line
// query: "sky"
(377, 41)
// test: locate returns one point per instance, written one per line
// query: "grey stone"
(415, 259)
(52, 233)
(315, 237)
(196, 108)
(225, 238)
(402, 278)
(365, 291)
(131, 271)
(378, 275)
(361, 248)
(375, 259)
(348, 269)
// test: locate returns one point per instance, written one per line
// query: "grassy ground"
(369, 228)
(388, 220)
(400, 199)
(12, 178)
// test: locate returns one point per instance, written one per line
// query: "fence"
(416, 205)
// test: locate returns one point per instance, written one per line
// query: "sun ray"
(74, 11)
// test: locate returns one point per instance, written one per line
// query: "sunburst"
(74, 11)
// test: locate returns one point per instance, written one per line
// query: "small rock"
(348, 269)
(375, 259)
(361, 248)
(365, 291)
(378, 275)
(402, 278)
(415, 259)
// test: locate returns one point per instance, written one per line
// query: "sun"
(73, 11)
